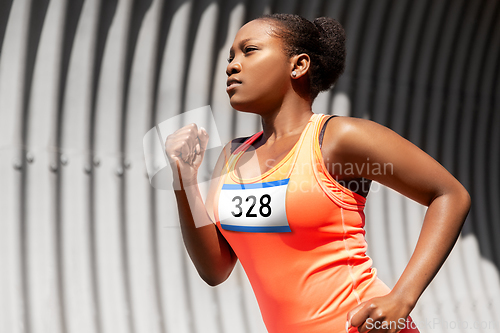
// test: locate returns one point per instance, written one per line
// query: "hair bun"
(332, 40)
(327, 26)
(330, 30)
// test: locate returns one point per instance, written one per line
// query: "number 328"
(264, 209)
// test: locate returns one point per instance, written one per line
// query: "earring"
(294, 73)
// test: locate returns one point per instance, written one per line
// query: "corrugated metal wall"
(87, 245)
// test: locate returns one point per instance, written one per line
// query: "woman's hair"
(322, 39)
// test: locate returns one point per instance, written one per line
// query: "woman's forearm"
(207, 248)
(441, 228)
(211, 254)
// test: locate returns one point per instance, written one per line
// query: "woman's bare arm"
(211, 254)
(410, 171)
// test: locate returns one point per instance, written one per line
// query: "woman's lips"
(232, 86)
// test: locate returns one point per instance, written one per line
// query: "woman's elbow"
(461, 199)
(218, 273)
(465, 199)
(214, 279)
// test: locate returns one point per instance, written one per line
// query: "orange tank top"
(299, 237)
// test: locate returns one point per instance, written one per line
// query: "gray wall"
(87, 245)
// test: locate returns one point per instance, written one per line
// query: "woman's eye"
(245, 51)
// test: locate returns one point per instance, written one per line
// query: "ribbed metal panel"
(87, 245)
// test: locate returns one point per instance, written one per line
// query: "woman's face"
(258, 70)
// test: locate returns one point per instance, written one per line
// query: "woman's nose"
(233, 67)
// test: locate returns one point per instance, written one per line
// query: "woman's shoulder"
(343, 126)
(348, 123)
(344, 134)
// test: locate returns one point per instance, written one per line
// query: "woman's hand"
(385, 314)
(185, 149)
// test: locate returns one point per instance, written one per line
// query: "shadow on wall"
(5, 7)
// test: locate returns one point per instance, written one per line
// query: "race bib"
(256, 207)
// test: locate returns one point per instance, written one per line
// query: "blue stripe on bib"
(255, 185)
(284, 228)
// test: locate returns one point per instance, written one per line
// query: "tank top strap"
(344, 196)
(244, 146)
(303, 152)
(233, 158)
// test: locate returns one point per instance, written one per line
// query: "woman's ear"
(300, 65)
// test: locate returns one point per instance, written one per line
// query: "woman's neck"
(289, 119)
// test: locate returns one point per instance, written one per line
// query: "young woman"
(288, 201)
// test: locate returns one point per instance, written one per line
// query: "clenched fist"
(185, 149)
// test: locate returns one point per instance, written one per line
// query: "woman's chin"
(240, 105)
(252, 105)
